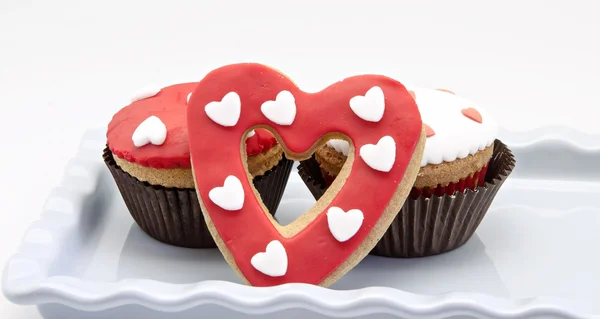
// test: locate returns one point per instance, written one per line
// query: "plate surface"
(534, 254)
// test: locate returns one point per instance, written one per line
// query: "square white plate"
(535, 254)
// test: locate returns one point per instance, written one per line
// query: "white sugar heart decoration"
(225, 112)
(381, 156)
(369, 107)
(151, 130)
(230, 196)
(344, 225)
(273, 262)
(187, 99)
(146, 92)
(282, 111)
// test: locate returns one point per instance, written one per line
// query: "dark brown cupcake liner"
(435, 225)
(173, 215)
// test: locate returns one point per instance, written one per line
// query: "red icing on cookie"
(472, 114)
(313, 254)
(170, 106)
(446, 90)
(428, 130)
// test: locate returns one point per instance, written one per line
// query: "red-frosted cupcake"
(461, 147)
(148, 155)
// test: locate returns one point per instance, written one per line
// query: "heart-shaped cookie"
(317, 248)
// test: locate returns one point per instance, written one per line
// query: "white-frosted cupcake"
(460, 143)
(461, 148)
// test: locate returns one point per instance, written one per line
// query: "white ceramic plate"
(534, 255)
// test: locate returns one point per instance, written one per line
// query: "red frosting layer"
(170, 106)
(313, 253)
(477, 180)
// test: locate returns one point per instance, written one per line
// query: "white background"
(66, 66)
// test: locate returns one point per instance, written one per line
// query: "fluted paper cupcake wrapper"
(435, 225)
(173, 215)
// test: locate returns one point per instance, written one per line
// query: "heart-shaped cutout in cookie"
(319, 247)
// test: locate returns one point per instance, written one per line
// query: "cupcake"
(148, 155)
(462, 168)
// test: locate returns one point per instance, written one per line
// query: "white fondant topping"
(381, 156)
(273, 262)
(456, 136)
(187, 99)
(151, 130)
(344, 225)
(282, 111)
(230, 196)
(371, 106)
(251, 133)
(145, 92)
(341, 146)
(225, 112)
